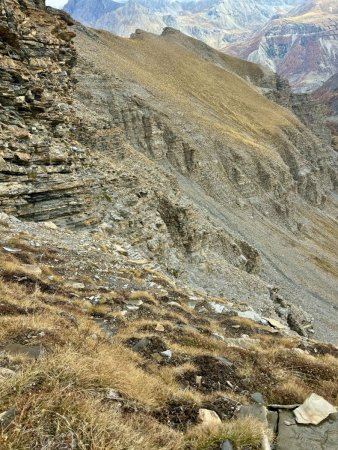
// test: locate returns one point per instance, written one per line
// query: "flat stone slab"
(33, 352)
(307, 437)
(259, 412)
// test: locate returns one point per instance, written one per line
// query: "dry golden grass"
(143, 295)
(61, 419)
(60, 398)
(207, 95)
(243, 433)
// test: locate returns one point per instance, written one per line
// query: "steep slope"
(214, 21)
(301, 46)
(110, 334)
(168, 146)
(327, 95)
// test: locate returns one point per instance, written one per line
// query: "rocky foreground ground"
(167, 253)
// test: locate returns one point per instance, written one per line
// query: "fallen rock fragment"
(50, 225)
(30, 269)
(132, 302)
(274, 323)
(12, 250)
(226, 445)
(257, 397)
(141, 344)
(239, 342)
(159, 327)
(113, 395)
(314, 410)
(6, 373)
(252, 315)
(7, 417)
(167, 354)
(208, 417)
(74, 285)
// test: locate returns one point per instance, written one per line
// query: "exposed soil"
(217, 375)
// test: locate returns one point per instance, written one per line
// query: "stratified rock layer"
(39, 160)
(170, 146)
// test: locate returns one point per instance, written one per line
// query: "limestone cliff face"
(39, 161)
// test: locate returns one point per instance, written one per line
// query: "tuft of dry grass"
(143, 295)
(243, 433)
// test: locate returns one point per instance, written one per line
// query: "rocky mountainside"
(167, 245)
(214, 21)
(327, 95)
(301, 46)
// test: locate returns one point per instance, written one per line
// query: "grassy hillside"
(216, 98)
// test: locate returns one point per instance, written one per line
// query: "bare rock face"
(39, 161)
(327, 95)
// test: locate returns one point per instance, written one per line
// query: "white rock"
(75, 285)
(50, 225)
(218, 308)
(12, 250)
(314, 410)
(265, 443)
(159, 327)
(133, 302)
(252, 315)
(274, 323)
(206, 416)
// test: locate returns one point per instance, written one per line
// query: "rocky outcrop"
(327, 95)
(311, 112)
(39, 160)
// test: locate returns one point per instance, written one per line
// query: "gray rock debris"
(226, 445)
(257, 397)
(7, 417)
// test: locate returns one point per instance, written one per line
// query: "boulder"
(275, 323)
(252, 315)
(257, 397)
(208, 417)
